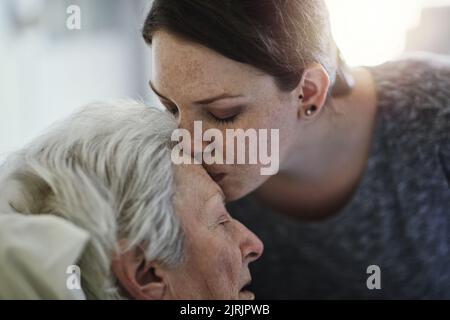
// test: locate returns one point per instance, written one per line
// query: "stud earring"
(311, 110)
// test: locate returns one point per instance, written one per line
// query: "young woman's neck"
(337, 136)
(324, 168)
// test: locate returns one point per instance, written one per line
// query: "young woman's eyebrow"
(217, 98)
(206, 101)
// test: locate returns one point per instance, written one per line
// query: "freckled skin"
(204, 72)
(217, 255)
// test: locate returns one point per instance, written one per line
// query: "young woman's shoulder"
(414, 105)
(414, 93)
(414, 65)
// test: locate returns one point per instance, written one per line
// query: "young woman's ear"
(312, 91)
(141, 279)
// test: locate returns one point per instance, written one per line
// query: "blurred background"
(48, 69)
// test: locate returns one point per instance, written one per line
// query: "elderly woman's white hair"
(107, 169)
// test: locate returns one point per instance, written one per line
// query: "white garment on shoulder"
(35, 252)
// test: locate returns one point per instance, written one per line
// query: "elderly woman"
(99, 191)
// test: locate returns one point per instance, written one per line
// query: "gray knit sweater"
(398, 219)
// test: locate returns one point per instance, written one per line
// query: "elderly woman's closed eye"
(156, 231)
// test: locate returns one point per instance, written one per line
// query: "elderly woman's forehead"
(194, 177)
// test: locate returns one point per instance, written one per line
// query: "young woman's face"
(196, 83)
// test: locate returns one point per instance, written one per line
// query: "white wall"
(370, 32)
(46, 71)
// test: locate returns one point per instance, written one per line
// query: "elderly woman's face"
(218, 248)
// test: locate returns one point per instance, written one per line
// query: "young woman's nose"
(200, 135)
(191, 145)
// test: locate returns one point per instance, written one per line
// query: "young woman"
(364, 153)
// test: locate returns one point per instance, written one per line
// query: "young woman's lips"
(217, 177)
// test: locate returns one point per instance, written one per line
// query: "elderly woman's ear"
(141, 279)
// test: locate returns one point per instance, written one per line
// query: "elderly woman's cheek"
(229, 264)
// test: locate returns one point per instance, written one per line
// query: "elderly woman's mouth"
(245, 293)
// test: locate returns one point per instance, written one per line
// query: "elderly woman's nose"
(251, 246)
